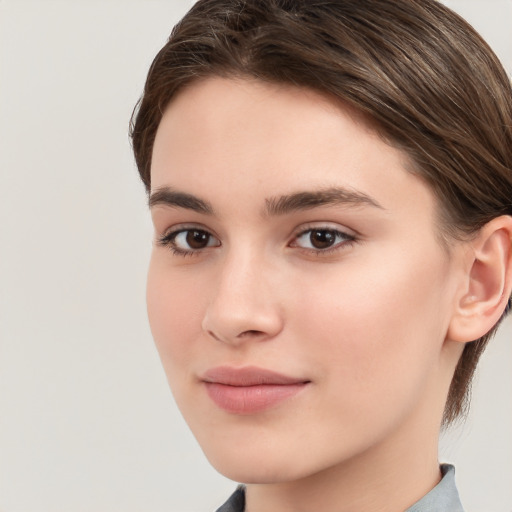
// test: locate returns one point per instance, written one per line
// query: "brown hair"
(427, 81)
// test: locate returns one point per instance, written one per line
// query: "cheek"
(379, 330)
(174, 313)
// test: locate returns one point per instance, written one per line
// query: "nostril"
(213, 335)
(250, 332)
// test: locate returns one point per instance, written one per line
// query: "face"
(297, 292)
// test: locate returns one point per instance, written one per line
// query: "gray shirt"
(442, 498)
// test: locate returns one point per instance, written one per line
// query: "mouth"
(250, 389)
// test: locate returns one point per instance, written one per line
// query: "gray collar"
(442, 498)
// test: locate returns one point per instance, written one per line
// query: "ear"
(487, 282)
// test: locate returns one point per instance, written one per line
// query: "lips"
(249, 390)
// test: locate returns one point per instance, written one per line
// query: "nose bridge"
(244, 301)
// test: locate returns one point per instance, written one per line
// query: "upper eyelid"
(334, 230)
(300, 230)
(178, 228)
(327, 226)
(345, 234)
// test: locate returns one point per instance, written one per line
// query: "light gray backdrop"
(86, 420)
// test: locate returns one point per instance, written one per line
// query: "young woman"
(330, 183)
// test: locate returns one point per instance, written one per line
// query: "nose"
(244, 305)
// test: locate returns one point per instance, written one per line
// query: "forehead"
(225, 139)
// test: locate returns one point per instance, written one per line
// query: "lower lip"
(251, 399)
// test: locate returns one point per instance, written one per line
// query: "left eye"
(321, 239)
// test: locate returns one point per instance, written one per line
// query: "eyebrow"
(166, 196)
(333, 196)
(274, 206)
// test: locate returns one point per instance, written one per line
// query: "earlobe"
(488, 282)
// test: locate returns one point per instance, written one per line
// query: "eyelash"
(169, 240)
(348, 240)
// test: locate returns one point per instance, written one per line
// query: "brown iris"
(321, 238)
(197, 239)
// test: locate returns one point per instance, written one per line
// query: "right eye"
(189, 241)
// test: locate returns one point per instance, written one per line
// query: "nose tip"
(228, 326)
(244, 308)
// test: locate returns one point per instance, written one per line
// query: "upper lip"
(248, 376)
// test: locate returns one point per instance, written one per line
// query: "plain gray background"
(86, 420)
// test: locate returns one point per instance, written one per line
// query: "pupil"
(322, 239)
(197, 239)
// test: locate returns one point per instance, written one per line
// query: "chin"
(239, 468)
(266, 461)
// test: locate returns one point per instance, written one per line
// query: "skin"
(364, 322)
